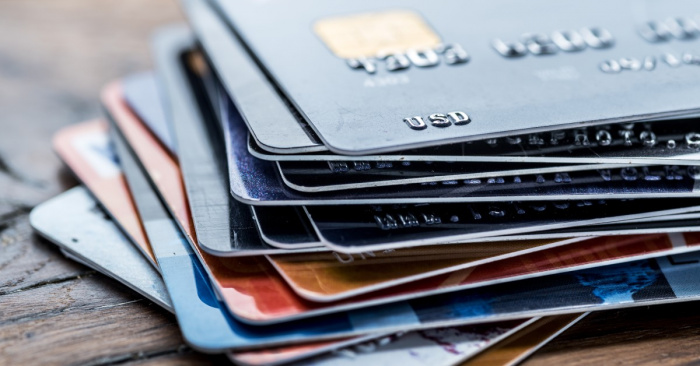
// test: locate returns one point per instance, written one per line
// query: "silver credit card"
(75, 223)
(253, 94)
(389, 75)
(326, 176)
(674, 141)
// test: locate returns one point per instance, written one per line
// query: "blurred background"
(54, 58)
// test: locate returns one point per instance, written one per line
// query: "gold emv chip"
(373, 34)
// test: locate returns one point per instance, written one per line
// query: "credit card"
(374, 76)
(325, 176)
(85, 148)
(572, 146)
(556, 181)
(521, 345)
(361, 228)
(255, 96)
(433, 347)
(651, 142)
(256, 182)
(340, 276)
(585, 254)
(73, 221)
(286, 234)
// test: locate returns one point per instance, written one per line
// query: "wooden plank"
(85, 320)
(28, 261)
(55, 56)
(183, 358)
(664, 334)
(18, 196)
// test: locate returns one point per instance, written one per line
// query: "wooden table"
(55, 55)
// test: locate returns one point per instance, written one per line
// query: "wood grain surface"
(55, 55)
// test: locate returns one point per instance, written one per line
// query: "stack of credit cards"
(431, 183)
